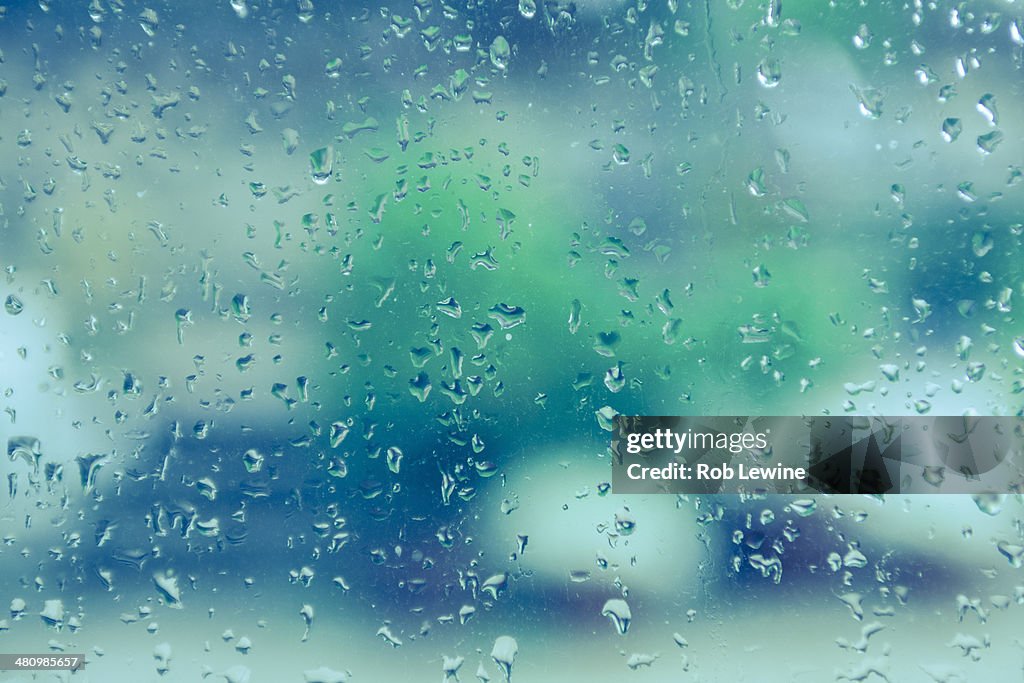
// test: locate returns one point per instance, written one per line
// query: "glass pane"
(317, 315)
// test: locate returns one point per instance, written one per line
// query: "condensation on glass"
(317, 317)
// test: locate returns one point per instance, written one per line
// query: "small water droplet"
(862, 39)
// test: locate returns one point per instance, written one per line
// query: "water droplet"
(324, 675)
(619, 613)
(500, 53)
(450, 307)
(252, 460)
(321, 164)
(982, 242)
(486, 469)
(769, 72)
(975, 371)
(394, 459)
(620, 153)
(855, 602)
(989, 503)
(53, 614)
(13, 305)
(625, 522)
(183, 318)
(575, 310)
(450, 667)
(987, 108)
(605, 343)
(862, 39)
(389, 637)
(162, 655)
(332, 69)
(149, 21)
(804, 507)
(855, 559)
(637, 660)
(237, 674)
(1018, 346)
(869, 101)
(420, 386)
(504, 654)
(1012, 552)
(988, 142)
(761, 276)
(339, 430)
(755, 183)
(507, 316)
(27, 448)
(614, 378)
(167, 587)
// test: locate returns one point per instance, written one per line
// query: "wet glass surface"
(316, 316)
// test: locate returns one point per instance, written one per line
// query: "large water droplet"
(506, 315)
(769, 72)
(989, 503)
(500, 53)
(804, 507)
(321, 164)
(53, 614)
(951, 128)
(1013, 553)
(618, 611)
(324, 675)
(1018, 346)
(869, 101)
(988, 142)
(13, 305)
(575, 311)
(504, 654)
(167, 586)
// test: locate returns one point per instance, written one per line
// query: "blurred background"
(316, 315)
